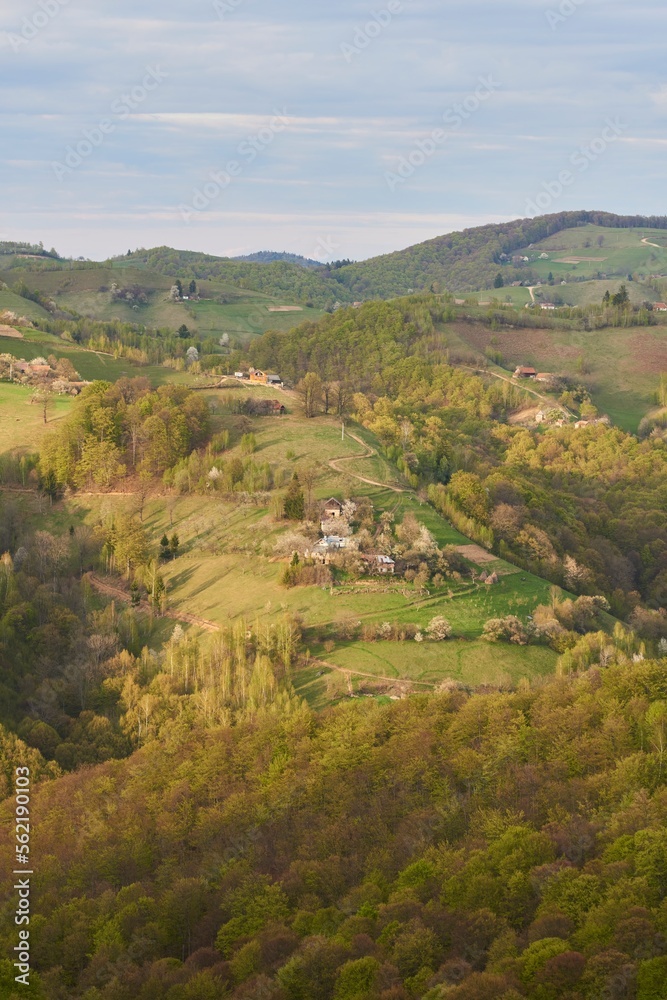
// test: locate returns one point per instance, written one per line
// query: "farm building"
(332, 509)
(547, 305)
(265, 378)
(660, 307)
(544, 377)
(323, 550)
(380, 564)
(269, 408)
(525, 372)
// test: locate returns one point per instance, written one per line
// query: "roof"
(523, 370)
(332, 502)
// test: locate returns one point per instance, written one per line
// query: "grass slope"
(223, 308)
(621, 366)
(22, 424)
(227, 567)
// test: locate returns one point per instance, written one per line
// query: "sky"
(331, 130)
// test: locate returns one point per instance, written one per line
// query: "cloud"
(349, 120)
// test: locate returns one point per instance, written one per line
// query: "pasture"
(228, 566)
(22, 424)
(620, 366)
(427, 664)
(593, 251)
(223, 308)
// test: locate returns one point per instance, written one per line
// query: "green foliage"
(294, 504)
(373, 845)
(114, 430)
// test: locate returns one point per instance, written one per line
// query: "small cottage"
(383, 565)
(332, 509)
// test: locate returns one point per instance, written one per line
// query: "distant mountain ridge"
(463, 261)
(271, 256)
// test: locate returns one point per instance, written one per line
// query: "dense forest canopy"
(456, 846)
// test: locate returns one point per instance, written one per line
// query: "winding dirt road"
(648, 243)
(334, 463)
(376, 677)
(533, 392)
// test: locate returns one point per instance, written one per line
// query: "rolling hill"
(580, 246)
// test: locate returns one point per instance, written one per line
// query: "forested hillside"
(499, 846)
(281, 278)
(460, 261)
(469, 260)
(586, 508)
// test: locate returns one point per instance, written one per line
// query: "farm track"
(533, 392)
(179, 616)
(334, 463)
(376, 677)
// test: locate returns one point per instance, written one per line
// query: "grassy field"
(223, 308)
(574, 293)
(22, 423)
(620, 366)
(578, 252)
(22, 307)
(472, 663)
(227, 567)
(90, 364)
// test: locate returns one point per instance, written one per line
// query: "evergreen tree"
(294, 500)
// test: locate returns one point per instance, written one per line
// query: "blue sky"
(312, 127)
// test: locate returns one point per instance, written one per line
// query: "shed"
(332, 508)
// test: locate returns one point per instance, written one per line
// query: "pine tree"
(294, 500)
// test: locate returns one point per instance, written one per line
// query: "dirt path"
(122, 595)
(531, 289)
(375, 677)
(648, 243)
(334, 463)
(533, 392)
